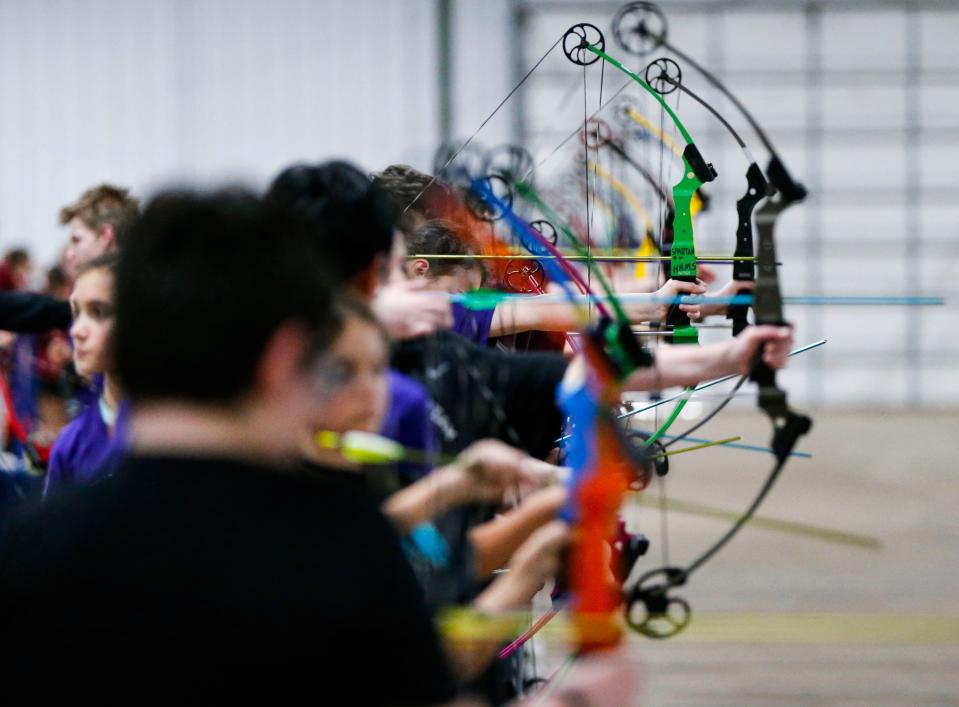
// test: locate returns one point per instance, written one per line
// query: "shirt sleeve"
(25, 312)
(472, 324)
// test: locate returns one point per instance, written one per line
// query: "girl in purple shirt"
(88, 446)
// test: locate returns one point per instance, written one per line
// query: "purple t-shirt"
(472, 324)
(85, 449)
(408, 422)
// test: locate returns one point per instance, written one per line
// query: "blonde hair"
(103, 204)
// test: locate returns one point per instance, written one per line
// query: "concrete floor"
(781, 620)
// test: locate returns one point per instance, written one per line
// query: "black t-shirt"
(480, 392)
(215, 578)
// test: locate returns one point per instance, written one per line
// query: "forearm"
(496, 541)
(517, 316)
(682, 366)
(425, 499)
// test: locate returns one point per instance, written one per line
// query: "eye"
(335, 372)
(101, 312)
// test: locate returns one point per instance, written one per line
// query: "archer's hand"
(534, 562)
(705, 274)
(672, 288)
(539, 558)
(408, 310)
(485, 470)
(728, 290)
(740, 352)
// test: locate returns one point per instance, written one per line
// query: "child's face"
(92, 328)
(83, 245)
(356, 389)
(397, 261)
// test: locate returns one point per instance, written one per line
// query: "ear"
(107, 233)
(419, 267)
(279, 369)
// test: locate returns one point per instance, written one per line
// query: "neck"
(186, 429)
(111, 391)
(362, 288)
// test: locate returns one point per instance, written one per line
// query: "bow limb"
(602, 466)
(560, 269)
(528, 193)
(648, 244)
(696, 171)
(628, 196)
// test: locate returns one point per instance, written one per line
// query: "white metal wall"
(150, 92)
(862, 99)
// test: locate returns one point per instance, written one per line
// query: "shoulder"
(70, 437)
(76, 434)
(49, 534)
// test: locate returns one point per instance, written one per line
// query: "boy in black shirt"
(204, 566)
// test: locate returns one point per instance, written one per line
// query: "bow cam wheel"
(525, 276)
(578, 40)
(483, 208)
(664, 76)
(639, 28)
(596, 134)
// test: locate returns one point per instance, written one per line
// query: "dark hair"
(438, 238)
(56, 278)
(203, 284)
(413, 194)
(16, 257)
(353, 220)
(350, 307)
(108, 261)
